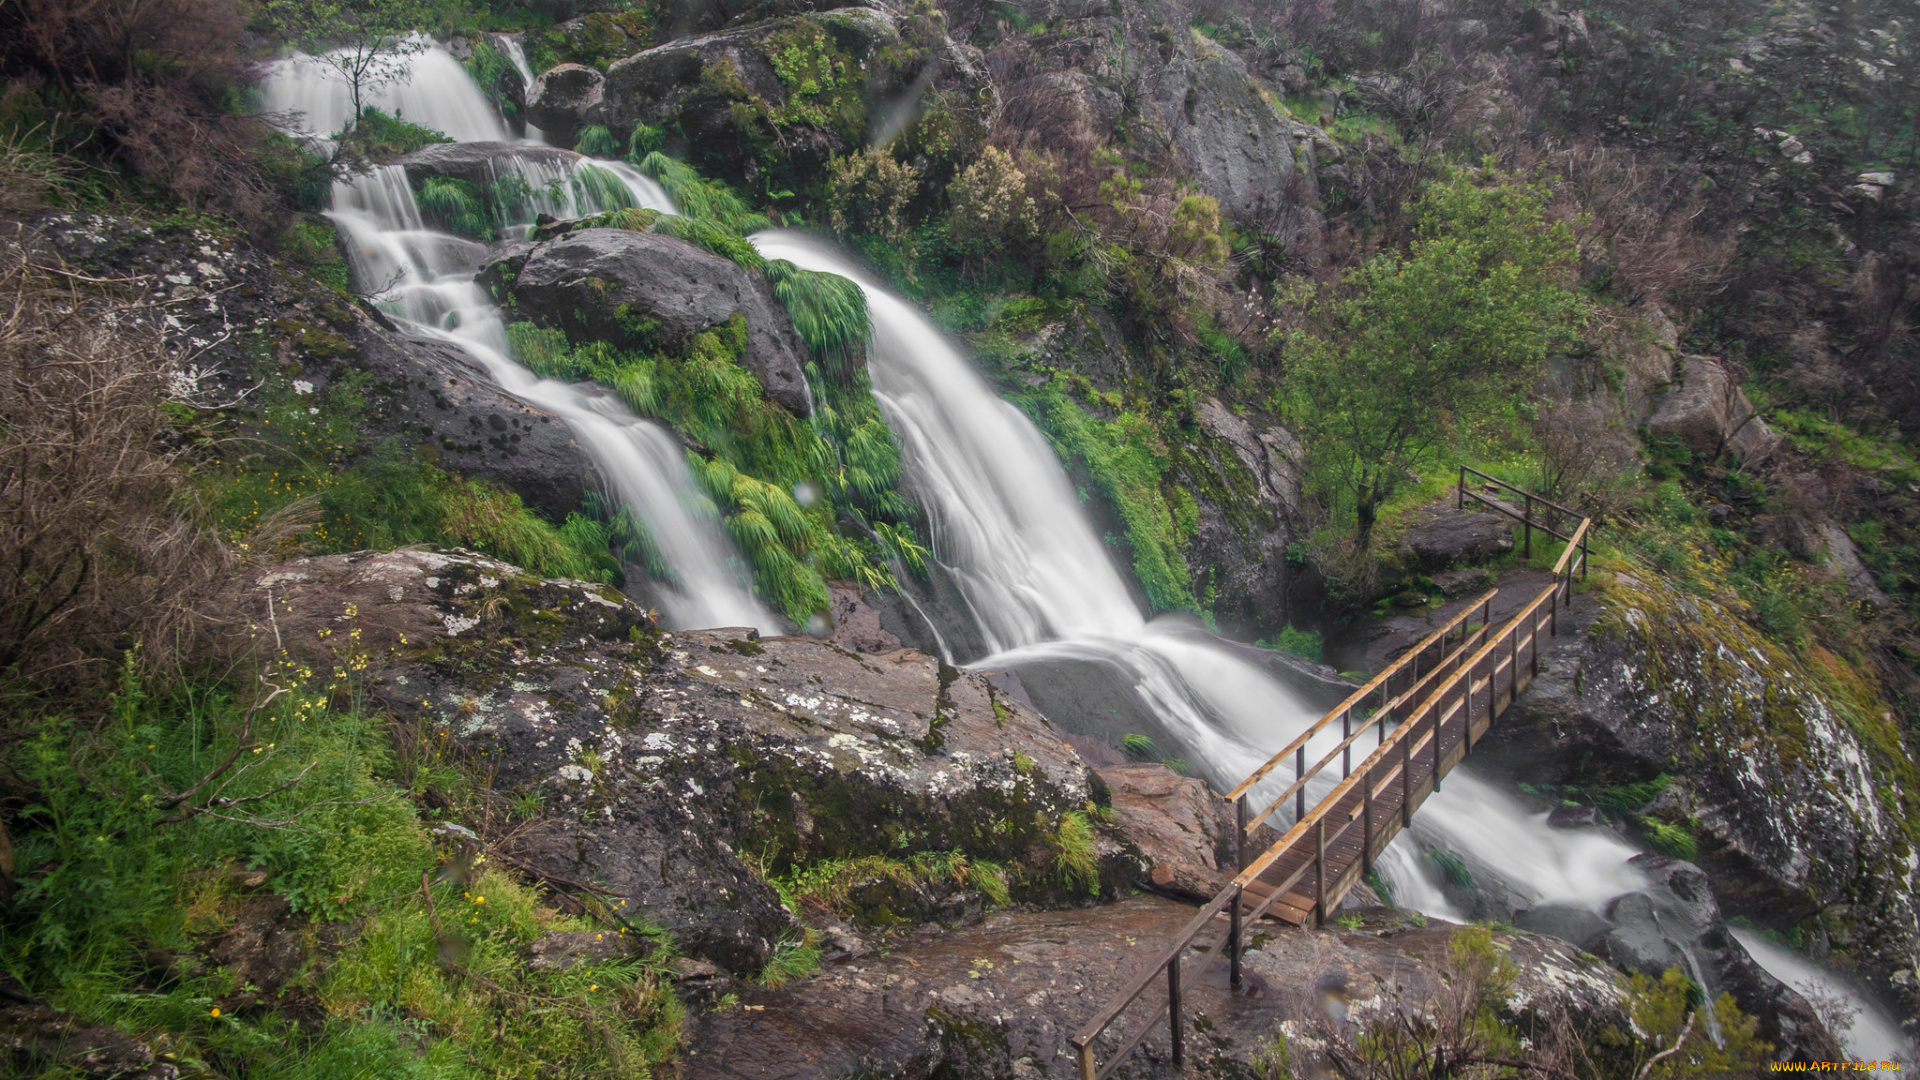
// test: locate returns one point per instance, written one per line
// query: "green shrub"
(1139, 747)
(595, 140)
(1305, 644)
(380, 137)
(1075, 861)
(456, 206)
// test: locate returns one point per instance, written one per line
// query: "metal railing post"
(1173, 1011)
(1233, 940)
(1527, 548)
(1320, 873)
(1406, 780)
(1299, 778)
(1346, 753)
(1240, 834)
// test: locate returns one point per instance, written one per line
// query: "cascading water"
(425, 277)
(1871, 1034)
(435, 92)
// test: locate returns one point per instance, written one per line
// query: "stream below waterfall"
(1039, 587)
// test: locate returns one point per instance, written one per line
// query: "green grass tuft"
(1451, 866)
(1139, 747)
(596, 141)
(1074, 860)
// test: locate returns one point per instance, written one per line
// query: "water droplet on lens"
(805, 493)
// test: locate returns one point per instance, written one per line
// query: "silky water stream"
(424, 277)
(1039, 588)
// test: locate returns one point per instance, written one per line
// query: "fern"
(1451, 866)
(595, 141)
(456, 206)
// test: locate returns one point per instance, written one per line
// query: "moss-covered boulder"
(680, 771)
(651, 291)
(1790, 785)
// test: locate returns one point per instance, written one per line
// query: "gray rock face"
(659, 756)
(598, 284)
(474, 162)
(683, 18)
(692, 87)
(856, 624)
(1181, 827)
(1779, 791)
(561, 96)
(1243, 534)
(1442, 536)
(1708, 413)
(423, 393)
(1239, 149)
(1001, 999)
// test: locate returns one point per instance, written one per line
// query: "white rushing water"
(312, 98)
(425, 278)
(1869, 1034)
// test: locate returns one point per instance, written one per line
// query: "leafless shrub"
(1586, 457)
(99, 551)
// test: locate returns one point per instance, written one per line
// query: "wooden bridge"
(1414, 722)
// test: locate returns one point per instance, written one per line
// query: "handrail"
(1525, 518)
(1520, 491)
(1360, 695)
(1462, 677)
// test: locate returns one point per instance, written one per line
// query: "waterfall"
(424, 278)
(1005, 523)
(311, 97)
(1871, 1035)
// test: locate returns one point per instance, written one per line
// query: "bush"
(1305, 644)
(868, 193)
(991, 208)
(98, 549)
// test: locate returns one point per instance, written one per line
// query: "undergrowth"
(123, 897)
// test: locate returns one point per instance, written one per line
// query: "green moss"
(457, 206)
(821, 81)
(1128, 457)
(313, 341)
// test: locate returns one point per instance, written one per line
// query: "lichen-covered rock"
(1441, 536)
(654, 291)
(1238, 147)
(236, 307)
(665, 761)
(1002, 999)
(1709, 414)
(560, 96)
(1183, 830)
(1791, 776)
(479, 162)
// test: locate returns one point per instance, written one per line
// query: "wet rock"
(1469, 581)
(683, 18)
(561, 96)
(1441, 536)
(656, 754)
(856, 624)
(263, 945)
(478, 162)
(1183, 830)
(1709, 414)
(1844, 558)
(36, 1034)
(1237, 147)
(1574, 817)
(1778, 790)
(1002, 999)
(655, 291)
(423, 394)
(713, 94)
(561, 950)
(1247, 516)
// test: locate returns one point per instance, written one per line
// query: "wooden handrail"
(1360, 695)
(1521, 491)
(1455, 694)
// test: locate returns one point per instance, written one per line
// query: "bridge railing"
(1433, 736)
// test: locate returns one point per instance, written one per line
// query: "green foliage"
(365, 42)
(1075, 861)
(1128, 457)
(792, 960)
(1139, 746)
(1451, 866)
(595, 140)
(827, 887)
(1305, 644)
(111, 887)
(456, 206)
(485, 66)
(310, 241)
(305, 481)
(1675, 840)
(1387, 366)
(822, 82)
(829, 312)
(715, 237)
(702, 199)
(379, 137)
(868, 194)
(1659, 1010)
(1272, 1058)
(645, 140)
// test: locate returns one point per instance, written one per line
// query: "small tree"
(366, 41)
(1380, 368)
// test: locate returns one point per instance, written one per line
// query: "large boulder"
(1441, 536)
(1709, 414)
(716, 96)
(561, 96)
(600, 284)
(661, 758)
(1183, 830)
(479, 162)
(1238, 148)
(1249, 499)
(1798, 817)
